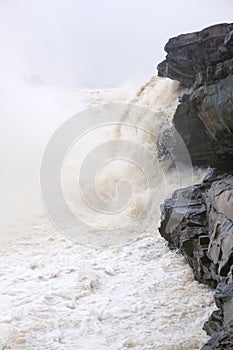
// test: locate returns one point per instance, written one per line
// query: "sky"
(96, 43)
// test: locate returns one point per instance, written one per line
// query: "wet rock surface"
(203, 61)
(205, 122)
(198, 221)
(192, 53)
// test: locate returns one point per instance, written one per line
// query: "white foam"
(56, 294)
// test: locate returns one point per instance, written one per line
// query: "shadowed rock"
(204, 118)
(190, 54)
(202, 216)
(205, 237)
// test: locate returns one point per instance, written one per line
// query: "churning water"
(58, 294)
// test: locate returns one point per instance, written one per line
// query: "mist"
(49, 47)
(67, 286)
(96, 43)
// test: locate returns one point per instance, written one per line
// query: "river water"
(59, 294)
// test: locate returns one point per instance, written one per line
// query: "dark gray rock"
(201, 228)
(198, 221)
(219, 325)
(189, 54)
(190, 235)
(204, 118)
(205, 122)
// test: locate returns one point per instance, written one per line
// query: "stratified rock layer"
(204, 118)
(205, 122)
(190, 54)
(198, 221)
(202, 229)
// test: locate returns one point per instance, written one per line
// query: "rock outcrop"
(204, 235)
(205, 122)
(204, 118)
(198, 220)
(190, 54)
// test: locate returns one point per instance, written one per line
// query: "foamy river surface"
(58, 295)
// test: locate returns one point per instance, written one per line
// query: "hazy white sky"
(97, 43)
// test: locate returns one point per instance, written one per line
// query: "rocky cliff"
(203, 61)
(195, 56)
(205, 238)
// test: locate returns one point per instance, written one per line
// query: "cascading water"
(130, 291)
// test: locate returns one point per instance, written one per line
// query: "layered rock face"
(203, 52)
(205, 233)
(202, 229)
(198, 221)
(204, 118)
